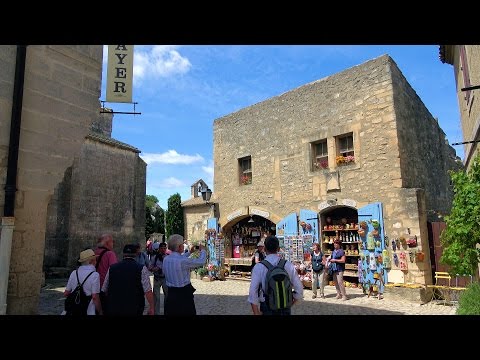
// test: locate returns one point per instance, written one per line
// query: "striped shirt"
(259, 278)
(177, 268)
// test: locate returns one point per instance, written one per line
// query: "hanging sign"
(349, 202)
(258, 212)
(120, 73)
(235, 214)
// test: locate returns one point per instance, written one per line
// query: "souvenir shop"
(241, 242)
(360, 231)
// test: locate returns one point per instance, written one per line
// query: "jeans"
(321, 281)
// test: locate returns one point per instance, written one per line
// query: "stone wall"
(103, 123)
(107, 183)
(60, 102)
(277, 134)
(469, 112)
(424, 154)
(364, 100)
(7, 74)
(58, 224)
(195, 220)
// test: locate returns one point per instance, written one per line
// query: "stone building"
(103, 191)
(196, 212)
(331, 148)
(466, 67)
(59, 102)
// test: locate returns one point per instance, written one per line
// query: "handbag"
(332, 267)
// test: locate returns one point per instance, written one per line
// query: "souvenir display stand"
(244, 237)
(296, 236)
(364, 244)
(215, 248)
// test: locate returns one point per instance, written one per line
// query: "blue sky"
(181, 90)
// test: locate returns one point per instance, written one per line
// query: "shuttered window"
(466, 75)
(345, 149)
(319, 155)
(245, 169)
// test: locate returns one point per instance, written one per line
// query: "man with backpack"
(83, 300)
(275, 285)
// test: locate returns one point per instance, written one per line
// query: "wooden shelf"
(341, 230)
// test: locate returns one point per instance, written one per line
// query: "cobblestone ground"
(230, 298)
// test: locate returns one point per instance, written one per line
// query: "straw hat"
(86, 255)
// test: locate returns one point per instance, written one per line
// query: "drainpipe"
(8, 219)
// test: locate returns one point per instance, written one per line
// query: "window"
(466, 75)
(320, 155)
(245, 167)
(346, 152)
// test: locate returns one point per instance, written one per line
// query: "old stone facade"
(104, 191)
(196, 212)
(466, 67)
(291, 143)
(60, 102)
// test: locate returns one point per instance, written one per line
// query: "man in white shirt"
(256, 296)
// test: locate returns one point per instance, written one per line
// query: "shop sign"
(324, 205)
(258, 212)
(234, 214)
(120, 73)
(349, 202)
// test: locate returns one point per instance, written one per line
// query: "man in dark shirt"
(127, 284)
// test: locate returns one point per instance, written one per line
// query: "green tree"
(462, 232)
(174, 216)
(151, 201)
(159, 222)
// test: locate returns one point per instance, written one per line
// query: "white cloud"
(171, 182)
(208, 170)
(105, 55)
(158, 61)
(171, 157)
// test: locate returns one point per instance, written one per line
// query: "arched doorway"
(241, 242)
(367, 257)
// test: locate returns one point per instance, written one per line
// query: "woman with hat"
(338, 261)
(91, 286)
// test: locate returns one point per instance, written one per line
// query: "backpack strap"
(78, 280)
(269, 267)
(267, 264)
(100, 257)
(282, 263)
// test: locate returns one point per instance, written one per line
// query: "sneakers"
(339, 296)
(344, 298)
(322, 296)
(314, 296)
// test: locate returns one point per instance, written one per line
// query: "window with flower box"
(245, 169)
(346, 152)
(319, 155)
